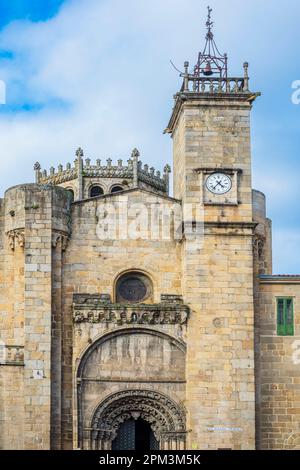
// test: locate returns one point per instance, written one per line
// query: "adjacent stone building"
(135, 320)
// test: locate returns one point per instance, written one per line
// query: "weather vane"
(209, 24)
(211, 61)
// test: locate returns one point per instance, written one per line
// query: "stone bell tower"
(210, 128)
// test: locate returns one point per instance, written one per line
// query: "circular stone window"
(133, 287)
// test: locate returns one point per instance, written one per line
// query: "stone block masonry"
(32, 216)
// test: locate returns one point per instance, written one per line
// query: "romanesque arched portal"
(166, 418)
(135, 373)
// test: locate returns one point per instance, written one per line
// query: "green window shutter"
(280, 317)
(285, 317)
(289, 317)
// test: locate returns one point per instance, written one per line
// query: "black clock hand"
(219, 182)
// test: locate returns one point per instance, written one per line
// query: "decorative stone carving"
(135, 153)
(11, 355)
(218, 322)
(165, 416)
(105, 171)
(258, 244)
(16, 235)
(91, 309)
(11, 239)
(60, 237)
(62, 177)
(79, 153)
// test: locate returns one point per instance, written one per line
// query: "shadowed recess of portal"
(135, 435)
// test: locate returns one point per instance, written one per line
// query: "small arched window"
(96, 191)
(71, 194)
(115, 189)
(134, 287)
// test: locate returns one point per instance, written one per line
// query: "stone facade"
(278, 388)
(194, 349)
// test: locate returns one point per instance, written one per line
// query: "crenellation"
(76, 178)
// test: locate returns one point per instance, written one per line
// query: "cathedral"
(135, 319)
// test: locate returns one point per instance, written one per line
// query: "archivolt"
(163, 414)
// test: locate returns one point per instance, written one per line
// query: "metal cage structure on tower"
(211, 61)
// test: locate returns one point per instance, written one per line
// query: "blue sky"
(34, 10)
(96, 73)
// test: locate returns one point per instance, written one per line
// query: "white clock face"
(219, 183)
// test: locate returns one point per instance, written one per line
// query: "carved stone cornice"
(16, 236)
(91, 309)
(11, 355)
(228, 170)
(279, 279)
